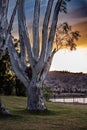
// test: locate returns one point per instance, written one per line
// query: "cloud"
(78, 13)
(75, 4)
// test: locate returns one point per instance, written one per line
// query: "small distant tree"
(65, 37)
(47, 92)
(33, 74)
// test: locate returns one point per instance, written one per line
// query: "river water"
(70, 100)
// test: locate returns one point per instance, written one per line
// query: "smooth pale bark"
(35, 100)
(39, 67)
(5, 29)
(16, 63)
(35, 90)
(36, 45)
(3, 25)
(46, 21)
(24, 32)
(45, 30)
(32, 77)
(12, 18)
(53, 27)
(21, 39)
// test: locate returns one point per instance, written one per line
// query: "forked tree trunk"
(35, 100)
(39, 54)
(39, 60)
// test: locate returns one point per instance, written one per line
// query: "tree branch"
(16, 64)
(53, 27)
(47, 66)
(44, 34)
(6, 29)
(36, 29)
(12, 17)
(21, 38)
(4, 8)
(45, 29)
(22, 22)
(3, 25)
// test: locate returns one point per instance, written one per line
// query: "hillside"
(65, 83)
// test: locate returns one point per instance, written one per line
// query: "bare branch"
(21, 39)
(47, 66)
(3, 25)
(12, 17)
(6, 29)
(44, 34)
(45, 29)
(22, 22)
(16, 64)
(4, 6)
(53, 26)
(36, 29)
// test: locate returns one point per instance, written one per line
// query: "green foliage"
(47, 92)
(6, 75)
(64, 6)
(65, 37)
(9, 84)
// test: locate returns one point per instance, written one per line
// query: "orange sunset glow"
(66, 60)
(73, 61)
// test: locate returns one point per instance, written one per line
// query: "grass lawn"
(59, 117)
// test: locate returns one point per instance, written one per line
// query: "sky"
(74, 61)
(64, 60)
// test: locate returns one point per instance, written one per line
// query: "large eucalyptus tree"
(5, 30)
(39, 55)
(39, 61)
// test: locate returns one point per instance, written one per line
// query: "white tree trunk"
(39, 61)
(35, 100)
(40, 65)
(5, 29)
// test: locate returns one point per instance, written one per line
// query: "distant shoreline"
(73, 100)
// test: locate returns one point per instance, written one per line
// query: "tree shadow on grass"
(43, 113)
(10, 117)
(37, 112)
(19, 114)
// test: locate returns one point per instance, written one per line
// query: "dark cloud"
(75, 4)
(78, 13)
(77, 10)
